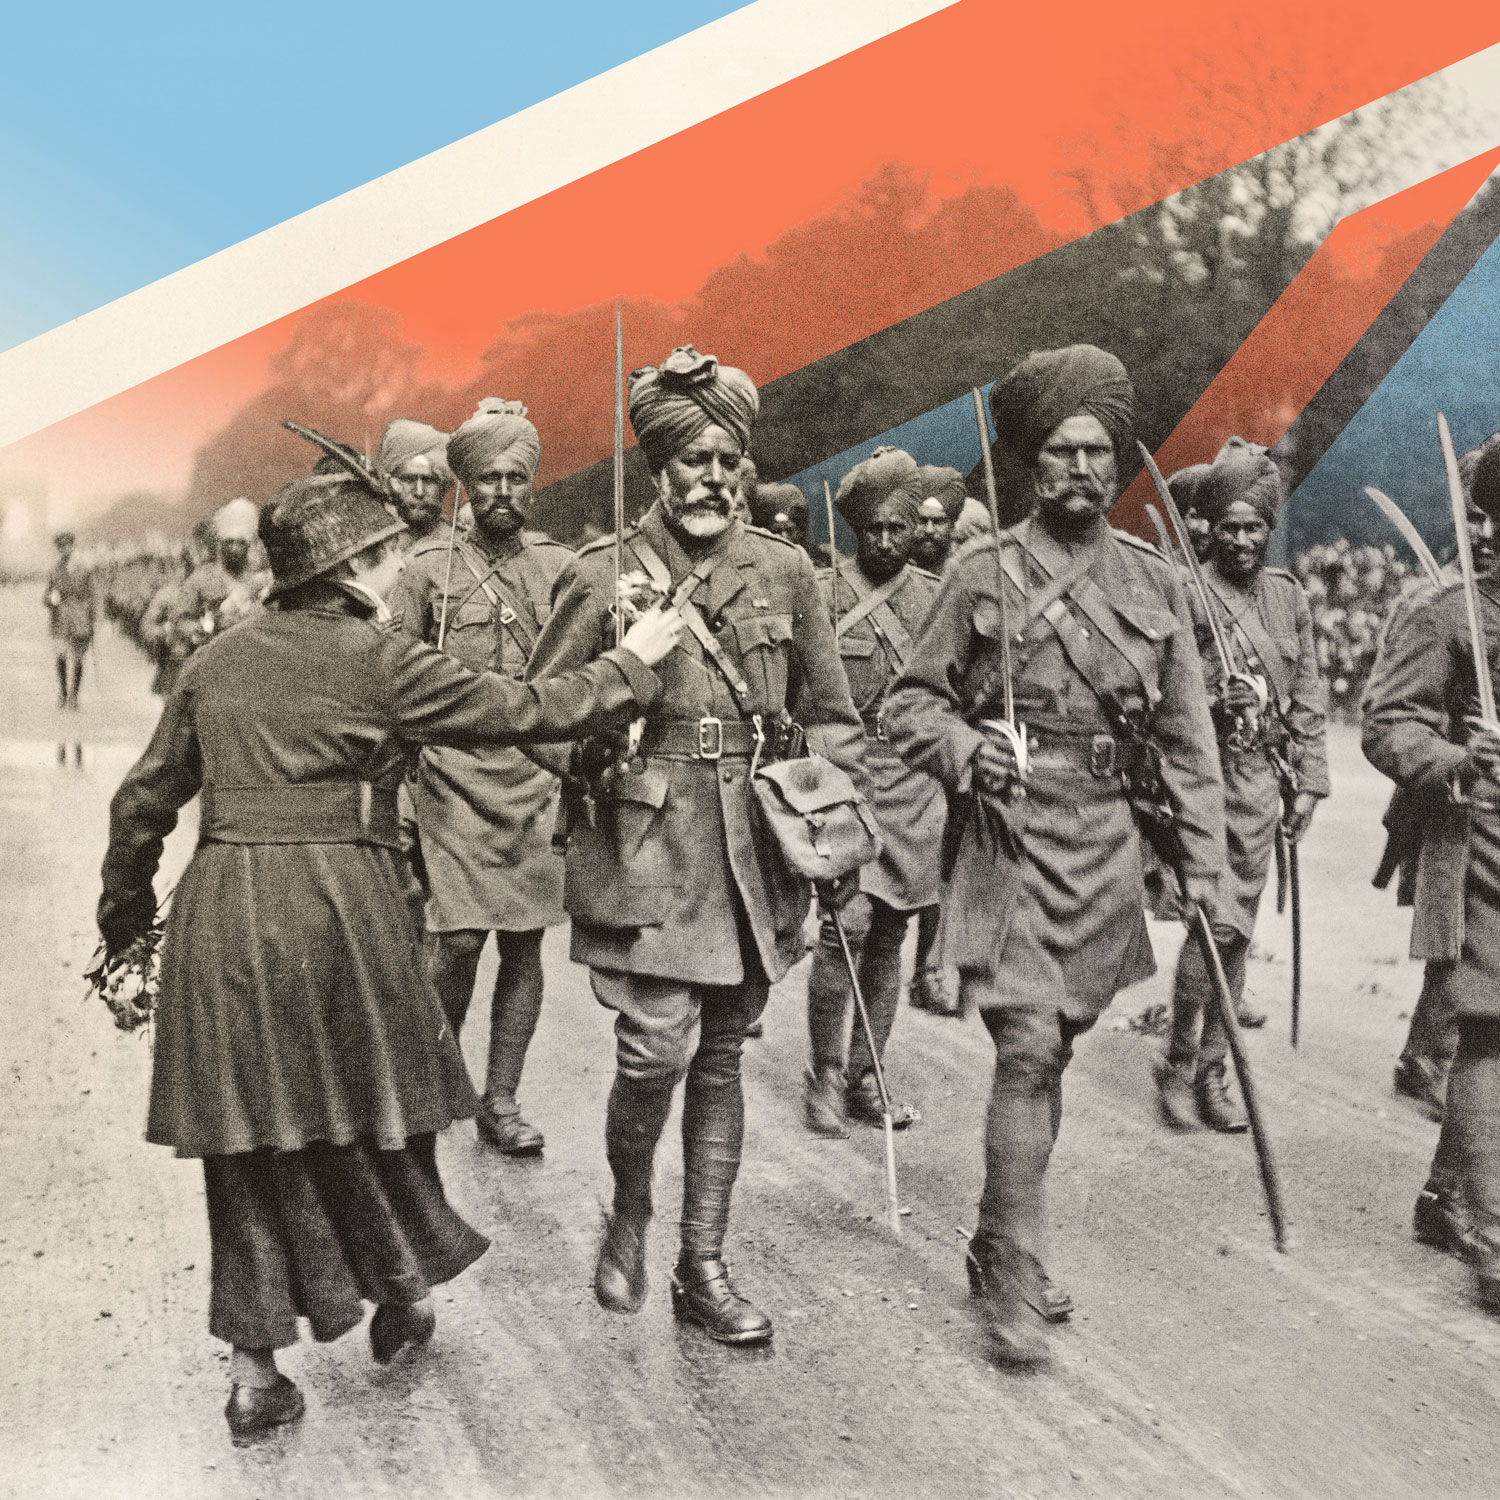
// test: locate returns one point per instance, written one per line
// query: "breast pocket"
(764, 644)
(470, 635)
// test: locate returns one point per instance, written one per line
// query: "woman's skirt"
(318, 1232)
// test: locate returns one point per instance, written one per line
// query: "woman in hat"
(299, 1051)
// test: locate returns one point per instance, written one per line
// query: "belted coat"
(294, 1002)
(1055, 918)
(675, 877)
(485, 814)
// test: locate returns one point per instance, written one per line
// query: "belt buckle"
(1102, 755)
(710, 738)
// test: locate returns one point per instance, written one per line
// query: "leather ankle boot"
(255, 1409)
(620, 1273)
(1439, 1220)
(702, 1294)
(823, 1103)
(997, 1280)
(1174, 1092)
(1215, 1107)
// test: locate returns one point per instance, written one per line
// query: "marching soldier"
(1271, 753)
(485, 814)
(72, 611)
(1046, 922)
(877, 603)
(1420, 730)
(413, 462)
(943, 496)
(682, 908)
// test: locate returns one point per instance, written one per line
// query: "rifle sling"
(682, 602)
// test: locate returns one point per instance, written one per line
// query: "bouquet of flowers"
(637, 595)
(129, 981)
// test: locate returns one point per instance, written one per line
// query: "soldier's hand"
(1484, 749)
(1304, 805)
(1200, 890)
(653, 636)
(995, 768)
(835, 895)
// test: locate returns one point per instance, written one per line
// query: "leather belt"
(708, 738)
(1086, 748)
(316, 812)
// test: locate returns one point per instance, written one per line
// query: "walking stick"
(892, 1201)
(1296, 884)
(1270, 1178)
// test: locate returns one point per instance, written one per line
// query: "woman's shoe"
(508, 1133)
(254, 1409)
(396, 1325)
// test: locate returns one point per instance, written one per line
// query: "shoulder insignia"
(603, 541)
(1138, 542)
(770, 536)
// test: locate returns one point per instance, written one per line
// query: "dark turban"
(1469, 462)
(1185, 485)
(773, 500)
(404, 440)
(1242, 471)
(1050, 386)
(886, 472)
(946, 485)
(674, 402)
(496, 428)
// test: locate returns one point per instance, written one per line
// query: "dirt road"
(1200, 1363)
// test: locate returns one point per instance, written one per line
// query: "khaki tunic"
(675, 878)
(909, 805)
(1418, 696)
(1269, 632)
(71, 605)
(1062, 926)
(485, 815)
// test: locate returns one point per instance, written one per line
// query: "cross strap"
(1255, 642)
(682, 602)
(512, 614)
(875, 604)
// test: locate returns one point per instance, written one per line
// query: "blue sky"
(137, 139)
(1453, 366)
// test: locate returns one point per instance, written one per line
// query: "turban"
(1484, 487)
(1468, 465)
(496, 429)
(884, 473)
(674, 402)
(1186, 486)
(236, 521)
(773, 500)
(947, 485)
(404, 440)
(1242, 471)
(973, 520)
(1050, 386)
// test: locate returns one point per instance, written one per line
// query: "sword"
(833, 559)
(619, 469)
(458, 500)
(1296, 885)
(1471, 585)
(892, 1201)
(1014, 733)
(1409, 533)
(1270, 1178)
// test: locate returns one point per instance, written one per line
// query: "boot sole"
(1057, 1312)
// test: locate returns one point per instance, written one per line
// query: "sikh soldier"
(782, 509)
(682, 908)
(943, 496)
(1421, 1072)
(1271, 753)
(72, 611)
(413, 462)
(877, 602)
(1421, 729)
(1185, 485)
(1046, 920)
(485, 815)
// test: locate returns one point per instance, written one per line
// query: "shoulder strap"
(1255, 643)
(682, 602)
(513, 615)
(875, 605)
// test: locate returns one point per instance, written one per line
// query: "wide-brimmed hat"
(314, 524)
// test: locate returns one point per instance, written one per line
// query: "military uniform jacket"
(1057, 918)
(1420, 691)
(485, 815)
(1268, 630)
(70, 602)
(909, 804)
(675, 877)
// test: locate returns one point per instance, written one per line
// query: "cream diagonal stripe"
(431, 200)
